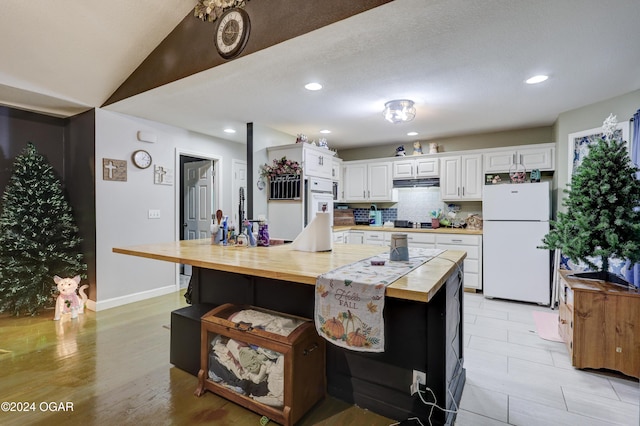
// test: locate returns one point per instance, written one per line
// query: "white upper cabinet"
(315, 161)
(541, 157)
(354, 179)
(461, 177)
(367, 181)
(409, 168)
(380, 181)
(336, 169)
(318, 162)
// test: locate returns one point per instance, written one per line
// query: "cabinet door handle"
(456, 241)
(514, 158)
(458, 191)
(364, 194)
(463, 191)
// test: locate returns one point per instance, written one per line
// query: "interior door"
(198, 191)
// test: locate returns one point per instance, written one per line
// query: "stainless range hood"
(416, 183)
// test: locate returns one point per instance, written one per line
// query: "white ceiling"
(463, 62)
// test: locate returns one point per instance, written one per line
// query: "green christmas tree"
(38, 236)
(601, 219)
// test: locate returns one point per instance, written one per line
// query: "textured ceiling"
(463, 63)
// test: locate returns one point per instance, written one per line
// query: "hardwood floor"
(113, 367)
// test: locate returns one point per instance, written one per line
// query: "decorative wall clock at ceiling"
(232, 32)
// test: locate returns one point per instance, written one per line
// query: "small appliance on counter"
(375, 216)
(410, 224)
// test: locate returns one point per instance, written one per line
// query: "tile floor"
(516, 378)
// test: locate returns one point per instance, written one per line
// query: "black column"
(250, 170)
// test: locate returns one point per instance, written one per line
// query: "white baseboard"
(129, 298)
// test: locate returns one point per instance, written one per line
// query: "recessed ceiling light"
(313, 86)
(228, 130)
(325, 131)
(537, 79)
(412, 134)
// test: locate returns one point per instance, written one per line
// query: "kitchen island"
(423, 316)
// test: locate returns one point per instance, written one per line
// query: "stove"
(409, 224)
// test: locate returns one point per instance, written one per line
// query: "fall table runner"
(350, 299)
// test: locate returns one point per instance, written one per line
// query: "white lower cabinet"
(472, 244)
(354, 237)
(377, 238)
(421, 240)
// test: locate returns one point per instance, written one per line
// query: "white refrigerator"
(516, 219)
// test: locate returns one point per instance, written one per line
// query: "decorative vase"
(399, 249)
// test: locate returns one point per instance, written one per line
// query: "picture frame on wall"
(579, 143)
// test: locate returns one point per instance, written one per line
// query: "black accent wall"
(69, 146)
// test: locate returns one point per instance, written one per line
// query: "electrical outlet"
(419, 378)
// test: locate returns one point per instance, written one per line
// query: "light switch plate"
(154, 214)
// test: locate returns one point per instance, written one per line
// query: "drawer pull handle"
(244, 326)
(456, 241)
(310, 349)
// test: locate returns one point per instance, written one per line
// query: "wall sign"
(162, 175)
(114, 169)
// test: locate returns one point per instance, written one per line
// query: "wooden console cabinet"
(600, 324)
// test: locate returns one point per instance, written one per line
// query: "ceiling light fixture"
(229, 131)
(313, 86)
(399, 111)
(412, 134)
(537, 79)
(325, 131)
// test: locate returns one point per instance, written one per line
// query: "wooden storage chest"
(294, 370)
(600, 322)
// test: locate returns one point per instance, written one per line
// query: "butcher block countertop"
(281, 262)
(441, 230)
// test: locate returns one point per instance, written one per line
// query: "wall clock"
(141, 159)
(232, 32)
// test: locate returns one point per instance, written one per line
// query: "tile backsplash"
(416, 204)
(388, 215)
